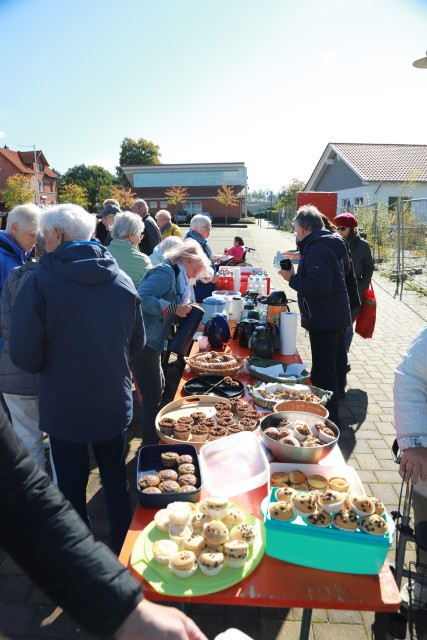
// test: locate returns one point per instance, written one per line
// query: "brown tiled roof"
(28, 156)
(13, 157)
(18, 158)
(385, 162)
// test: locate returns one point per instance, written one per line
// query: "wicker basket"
(229, 371)
(323, 396)
(300, 405)
(259, 362)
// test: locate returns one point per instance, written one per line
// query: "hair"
(163, 213)
(354, 231)
(239, 239)
(309, 218)
(199, 221)
(189, 250)
(40, 244)
(76, 223)
(330, 226)
(141, 204)
(111, 201)
(170, 242)
(126, 224)
(27, 216)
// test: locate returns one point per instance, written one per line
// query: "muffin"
(241, 407)
(346, 520)
(235, 553)
(272, 433)
(297, 476)
(245, 532)
(379, 506)
(215, 533)
(224, 422)
(331, 501)
(217, 432)
(163, 550)
(252, 414)
(319, 518)
(299, 486)
(162, 520)
(223, 405)
(167, 425)
(303, 504)
(167, 474)
(149, 480)
(207, 422)
(185, 458)
(234, 428)
(362, 505)
(224, 414)
(248, 424)
(317, 482)
(281, 511)
(285, 423)
(179, 512)
(374, 524)
(188, 478)
(195, 543)
(284, 494)
(326, 434)
(210, 562)
(151, 490)
(311, 441)
(196, 416)
(187, 467)
(181, 431)
(183, 564)
(187, 488)
(198, 521)
(279, 478)
(179, 532)
(290, 441)
(169, 458)
(233, 517)
(302, 431)
(339, 484)
(188, 420)
(216, 507)
(169, 486)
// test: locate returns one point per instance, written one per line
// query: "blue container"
(149, 462)
(326, 548)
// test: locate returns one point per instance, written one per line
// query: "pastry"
(216, 507)
(311, 441)
(297, 476)
(272, 432)
(210, 562)
(179, 512)
(182, 431)
(284, 494)
(235, 553)
(302, 431)
(167, 425)
(346, 520)
(217, 432)
(279, 478)
(241, 407)
(215, 533)
(252, 414)
(187, 467)
(290, 441)
(188, 420)
(283, 423)
(196, 416)
(167, 474)
(362, 505)
(187, 478)
(374, 524)
(169, 486)
(183, 564)
(299, 486)
(319, 518)
(326, 434)
(169, 458)
(245, 532)
(379, 507)
(198, 520)
(281, 510)
(339, 484)
(224, 414)
(234, 428)
(303, 504)
(195, 543)
(285, 432)
(163, 550)
(162, 520)
(151, 490)
(331, 501)
(149, 480)
(224, 422)
(233, 517)
(184, 459)
(317, 482)
(248, 424)
(223, 405)
(179, 532)
(207, 422)
(187, 488)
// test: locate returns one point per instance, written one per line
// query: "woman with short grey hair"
(127, 231)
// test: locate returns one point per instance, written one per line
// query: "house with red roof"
(34, 165)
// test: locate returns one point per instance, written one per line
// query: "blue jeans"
(71, 461)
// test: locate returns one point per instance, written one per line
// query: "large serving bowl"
(300, 405)
(287, 453)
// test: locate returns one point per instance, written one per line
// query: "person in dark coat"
(86, 325)
(322, 299)
(47, 538)
(106, 219)
(152, 236)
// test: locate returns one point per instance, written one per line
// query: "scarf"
(206, 248)
(165, 227)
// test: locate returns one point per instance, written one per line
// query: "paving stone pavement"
(367, 433)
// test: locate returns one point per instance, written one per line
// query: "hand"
(414, 461)
(149, 621)
(286, 275)
(182, 310)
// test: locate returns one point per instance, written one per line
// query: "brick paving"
(367, 433)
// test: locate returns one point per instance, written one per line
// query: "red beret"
(345, 220)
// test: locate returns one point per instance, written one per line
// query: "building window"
(345, 204)
(153, 205)
(163, 205)
(358, 202)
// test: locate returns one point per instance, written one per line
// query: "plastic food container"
(326, 548)
(234, 465)
(149, 462)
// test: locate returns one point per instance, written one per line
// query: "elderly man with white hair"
(166, 226)
(151, 237)
(86, 325)
(200, 229)
(17, 240)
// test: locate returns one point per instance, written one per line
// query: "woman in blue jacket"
(160, 291)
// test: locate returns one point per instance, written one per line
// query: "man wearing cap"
(106, 219)
(363, 263)
(152, 236)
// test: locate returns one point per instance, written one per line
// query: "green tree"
(261, 194)
(287, 196)
(92, 178)
(176, 195)
(18, 191)
(227, 198)
(136, 152)
(75, 194)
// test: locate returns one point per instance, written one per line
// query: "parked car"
(181, 216)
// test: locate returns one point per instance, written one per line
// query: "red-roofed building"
(34, 165)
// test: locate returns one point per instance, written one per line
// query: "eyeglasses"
(342, 228)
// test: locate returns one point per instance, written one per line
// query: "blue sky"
(266, 82)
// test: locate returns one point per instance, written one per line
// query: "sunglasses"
(342, 228)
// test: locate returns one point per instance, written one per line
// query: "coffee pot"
(262, 341)
(243, 331)
(277, 303)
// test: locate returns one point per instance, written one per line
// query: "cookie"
(281, 511)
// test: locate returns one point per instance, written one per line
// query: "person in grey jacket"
(410, 417)
(159, 292)
(20, 388)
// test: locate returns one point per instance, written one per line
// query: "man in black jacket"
(322, 299)
(152, 236)
(47, 538)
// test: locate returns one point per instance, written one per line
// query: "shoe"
(414, 595)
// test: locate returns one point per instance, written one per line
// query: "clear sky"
(265, 82)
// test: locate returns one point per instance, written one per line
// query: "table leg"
(305, 624)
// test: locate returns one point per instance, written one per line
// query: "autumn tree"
(227, 198)
(91, 178)
(75, 194)
(18, 191)
(176, 195)
(124, 196)
(135, 152)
